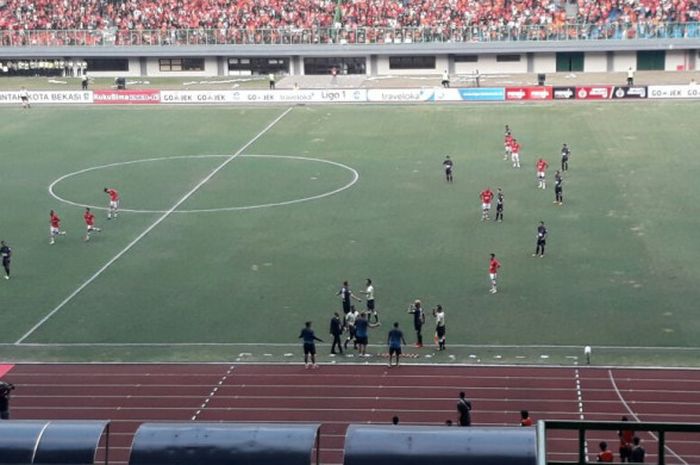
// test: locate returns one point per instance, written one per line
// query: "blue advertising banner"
(483, 93)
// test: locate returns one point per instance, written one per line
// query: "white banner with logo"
(263, 96)
(49, 96)
(691, 91)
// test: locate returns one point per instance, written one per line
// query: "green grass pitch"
(622, 267)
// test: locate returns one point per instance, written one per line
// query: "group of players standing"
(512, 152)
(55, 227)
(88, 218)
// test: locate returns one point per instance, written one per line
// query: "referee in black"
(6, 253)
(565, 152)
(499, 205)
(558, 188)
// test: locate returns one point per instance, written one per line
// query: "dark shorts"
(370, 305)
(351, 331)
(395, 350)
(417, 325)
(541, 241)
(499, 207)
(6, 261)
(24, 99)
(309, 349)
(448, 170)
(440, 330)
(557, 190)
(346, 307)
(362, 340)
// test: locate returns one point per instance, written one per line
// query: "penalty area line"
(160, 219)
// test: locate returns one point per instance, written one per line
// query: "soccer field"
(238, 226)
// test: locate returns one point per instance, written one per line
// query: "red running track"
(336, 395)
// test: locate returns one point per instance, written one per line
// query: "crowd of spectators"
(165, 22)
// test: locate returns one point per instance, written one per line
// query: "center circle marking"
(355, 177)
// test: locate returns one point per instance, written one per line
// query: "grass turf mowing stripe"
(160, 219)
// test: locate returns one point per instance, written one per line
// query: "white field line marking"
(296, 344)
(634, 415)
(160, 219)
(355, 177)
(211, 395)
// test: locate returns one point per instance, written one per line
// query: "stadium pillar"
(691, 59)
(143, 64)
(220, 71)
(610, 61)
(373, 65)
(451, 64)
(530, 62)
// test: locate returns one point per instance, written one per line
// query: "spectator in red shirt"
(604, 455)
(525, 419)
(626, 437)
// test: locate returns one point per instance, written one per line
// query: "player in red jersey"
(113, 202)
(494, 265)
(515, 153)
(508, 144)
(55, 227)
(89, 223)
(542, 166)
(485, 196)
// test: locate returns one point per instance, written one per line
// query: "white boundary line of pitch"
(295, 344)
(160, 219)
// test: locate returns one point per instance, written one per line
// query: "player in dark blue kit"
(345, 295)
(309, 338)
(418, 320)
(499, 205)
(565, 152)
(448, 165)
(541, 240)
(558, 188)
(394, 339)
(6, 253)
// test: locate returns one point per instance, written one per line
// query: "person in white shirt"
(630, 76)
(371, 309)
(24, 97)
(439, 315)
(445, 79)
(350, 319)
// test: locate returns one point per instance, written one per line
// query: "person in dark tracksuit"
(464, 407)
(336, 331)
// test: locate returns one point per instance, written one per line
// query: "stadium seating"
(158, 22)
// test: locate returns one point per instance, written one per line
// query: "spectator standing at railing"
(5, 389)
(630, 76)
(84, 82)
(271, 78)
(626, 435)
(638, 452)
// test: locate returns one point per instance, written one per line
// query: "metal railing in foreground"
(659, 430)
(345, 35)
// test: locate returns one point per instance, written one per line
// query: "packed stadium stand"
(153, 22)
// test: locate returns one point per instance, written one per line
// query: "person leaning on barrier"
(5, 389)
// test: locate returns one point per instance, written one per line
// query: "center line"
(160, 219)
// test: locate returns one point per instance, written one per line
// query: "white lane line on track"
(579, 400)
(213, 392)
(634, 415)
(160, 219)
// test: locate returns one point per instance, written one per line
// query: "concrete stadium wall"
(540, 57)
